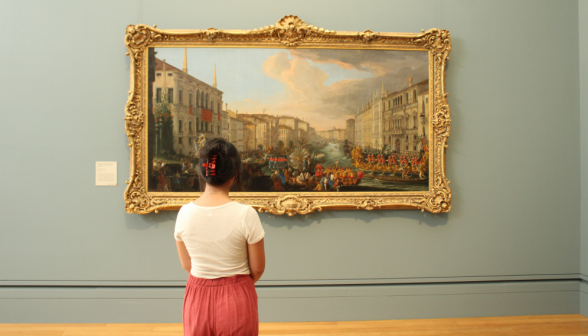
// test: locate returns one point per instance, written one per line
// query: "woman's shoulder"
(242, 208)
(185, 209)
(244, 211)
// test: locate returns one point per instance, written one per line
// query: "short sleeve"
(179, 225)
(253, 230)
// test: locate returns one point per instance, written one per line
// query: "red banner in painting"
(206, 115)
(190, 110)
(219, 117)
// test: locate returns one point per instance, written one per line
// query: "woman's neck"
(214, 196)
(210, 189)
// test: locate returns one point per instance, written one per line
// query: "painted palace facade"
(396, 119)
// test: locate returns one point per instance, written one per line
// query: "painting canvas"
(322, 119)
(313, 120)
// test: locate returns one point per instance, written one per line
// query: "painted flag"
(206, 115)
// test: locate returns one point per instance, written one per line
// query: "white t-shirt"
(216, 238)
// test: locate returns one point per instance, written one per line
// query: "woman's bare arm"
(256, 259)
(184, 256)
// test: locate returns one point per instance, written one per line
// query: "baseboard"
(297, 303)
(584, 296)
(306, 282)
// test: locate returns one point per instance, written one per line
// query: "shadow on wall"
(143, 222)
(416, 216)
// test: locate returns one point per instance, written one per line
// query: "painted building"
(235, 130)
(249, 129)
(404, 113)
(350, 130)
(287, 134)
(225, 124)
(195, 105)
(312, 134)
(395, 119)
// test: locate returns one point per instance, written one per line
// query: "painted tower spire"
(185, 68)
(214, 78)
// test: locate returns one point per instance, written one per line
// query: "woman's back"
(216, 238)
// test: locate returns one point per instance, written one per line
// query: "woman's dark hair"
(228, 164)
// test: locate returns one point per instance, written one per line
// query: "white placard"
(106, 173)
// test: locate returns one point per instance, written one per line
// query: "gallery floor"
(516, 325)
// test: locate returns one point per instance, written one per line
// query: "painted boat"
(368, 174)
(352, 182)
(399, 179)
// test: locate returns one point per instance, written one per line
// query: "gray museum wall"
(583, 45)
(510, 246)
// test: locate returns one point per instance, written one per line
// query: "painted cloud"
(326, 87)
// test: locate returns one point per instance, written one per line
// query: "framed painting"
(322, 119)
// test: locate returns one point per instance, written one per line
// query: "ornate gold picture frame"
(389, 145)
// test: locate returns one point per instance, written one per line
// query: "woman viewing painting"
(221, 245)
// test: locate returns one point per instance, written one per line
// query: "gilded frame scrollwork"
(289, 32)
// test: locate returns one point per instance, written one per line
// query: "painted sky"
(323, 86)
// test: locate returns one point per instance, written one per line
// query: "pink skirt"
(223, 306)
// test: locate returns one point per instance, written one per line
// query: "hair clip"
(206, 165)
(213, 166)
